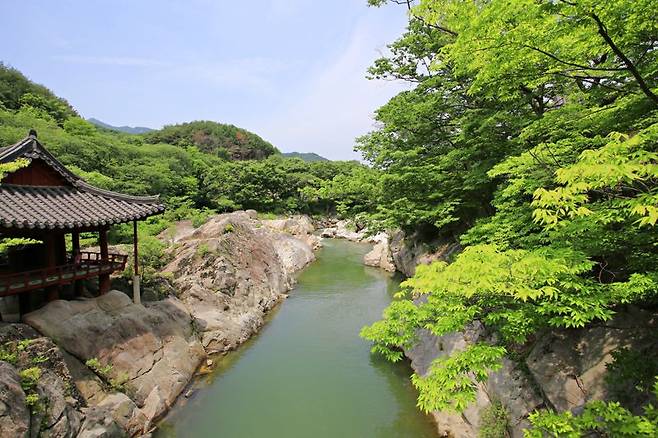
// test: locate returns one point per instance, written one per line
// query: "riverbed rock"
(151, 350)
(232, 270)
(300, 227)
(380, 256)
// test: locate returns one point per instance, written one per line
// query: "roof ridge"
(86, 187)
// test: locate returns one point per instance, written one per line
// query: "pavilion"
(45, 201)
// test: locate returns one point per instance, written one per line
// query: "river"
(308, 374)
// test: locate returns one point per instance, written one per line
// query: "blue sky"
(292, 71)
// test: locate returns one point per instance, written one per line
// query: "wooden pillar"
(103, 279)
(75, 250)
(52, 243)
(137, 294)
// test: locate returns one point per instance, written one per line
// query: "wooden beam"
(103, 279)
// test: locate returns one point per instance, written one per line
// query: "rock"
(508, 385)
(380, 255)
(328, 233)
(56, 412)
(232, 270)
(570, 365)
(566, 369)
(410, 251)
(14, 414)
(152, 348)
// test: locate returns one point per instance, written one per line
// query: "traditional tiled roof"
(77, 205)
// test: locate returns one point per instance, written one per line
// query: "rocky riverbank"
(106, 367)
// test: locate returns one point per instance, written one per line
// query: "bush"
(494, 421)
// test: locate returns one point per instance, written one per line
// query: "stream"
(308, 374)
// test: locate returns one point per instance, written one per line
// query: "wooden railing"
(87, 265)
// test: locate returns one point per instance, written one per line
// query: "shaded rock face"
(233, 269)
(566, 369)
(152, 349)
(570, 365)
(509, 385)
(410, 251)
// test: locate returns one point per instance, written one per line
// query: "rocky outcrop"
(37, 397)
(380, 256)
(152, 352)
(564, 369)
(111, 368)
(232, 270)
(570, 365)
(14, 413)
(508, 385)
(410, 251)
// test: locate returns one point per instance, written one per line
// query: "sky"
(292, 71)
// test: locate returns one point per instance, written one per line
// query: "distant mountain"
(306, 156)
(126, 129)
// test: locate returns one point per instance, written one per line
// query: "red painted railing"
(87, 265)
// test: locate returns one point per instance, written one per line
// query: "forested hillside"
(224, 141)
(194, 165)
(531, 137)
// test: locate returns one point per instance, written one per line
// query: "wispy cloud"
(339, 103)
(126, 61)
(249, 74)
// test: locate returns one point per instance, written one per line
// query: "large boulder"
(151, 351)
(232, 270)
(380, 256)
(48, 401)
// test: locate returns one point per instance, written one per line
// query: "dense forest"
(531, 137)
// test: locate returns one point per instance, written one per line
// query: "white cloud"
(340, 102)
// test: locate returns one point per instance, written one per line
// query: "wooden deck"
(90, 265)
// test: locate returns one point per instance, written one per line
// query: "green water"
(308, 374)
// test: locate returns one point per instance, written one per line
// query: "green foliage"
(598, 418)
(224, 141)
(229, 228)
(202, 250)
(13, 166)
(450, 383)
(17, 91)
(8, 355)
(494, 421)
(631, 376)
(30, 378)
(96, 366)
(531, 132)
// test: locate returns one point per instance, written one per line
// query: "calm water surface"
(308, 374)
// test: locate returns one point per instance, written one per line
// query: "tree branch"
(603, 31)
